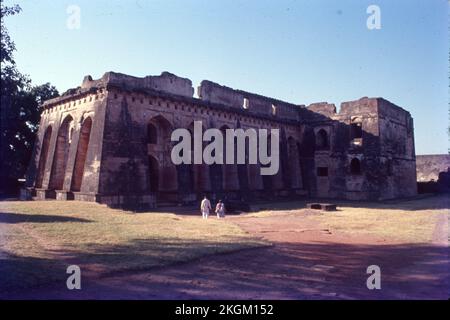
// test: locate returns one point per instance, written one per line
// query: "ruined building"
(109, 141)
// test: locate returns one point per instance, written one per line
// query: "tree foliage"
(7, 45)
(19, 110)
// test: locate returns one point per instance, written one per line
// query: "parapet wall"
(208, 91)
(166, 82)
(323, 108)
(362, 106)
(254, 103)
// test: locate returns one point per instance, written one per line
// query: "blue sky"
(297, 51)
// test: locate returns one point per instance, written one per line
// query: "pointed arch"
(200, 172)
(80, 158)
(232, 174)
(152, 134)
(159, 131)
(61, 154)
(43, 157)
(322, 142)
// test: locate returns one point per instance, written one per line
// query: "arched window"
(322, 139)
(356, 133)
(356, 130)
(152, 134)
(355, 166)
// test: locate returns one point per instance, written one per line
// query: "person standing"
(220, 209)
(205, 207)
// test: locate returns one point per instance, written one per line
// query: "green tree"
(19, 110)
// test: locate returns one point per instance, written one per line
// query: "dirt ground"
(307, 260)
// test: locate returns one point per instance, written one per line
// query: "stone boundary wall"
(429, 166)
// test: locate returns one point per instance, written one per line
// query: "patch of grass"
(411, 221)
(44, 237)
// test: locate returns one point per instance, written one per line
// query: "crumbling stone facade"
(109, 141)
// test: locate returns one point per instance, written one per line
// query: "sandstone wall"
(363, 152)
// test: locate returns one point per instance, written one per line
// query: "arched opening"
(322, 171)
(152, 134)
(185, 175)
(306, 149)
(43, 157)
(201, 173)
(321, 140)
(185, 178)
(356, 130)
(294, 163)
(153, 172)
(230, 172)
(80, 158)
(159, 130)
(217, 175)
(61, 154)
(355, 166)
(356, 133)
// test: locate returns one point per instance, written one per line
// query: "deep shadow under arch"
(80, 158)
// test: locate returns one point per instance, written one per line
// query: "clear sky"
(297, 51)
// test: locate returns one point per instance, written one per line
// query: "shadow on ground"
(420, 202)
(9, 217)
(284, 271)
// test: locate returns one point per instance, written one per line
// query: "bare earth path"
(306, 261)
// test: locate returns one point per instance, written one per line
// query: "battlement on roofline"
(172, 86)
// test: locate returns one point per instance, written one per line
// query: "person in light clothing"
(205, 207)
(220, 209)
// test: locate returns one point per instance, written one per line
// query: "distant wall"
(429, 166)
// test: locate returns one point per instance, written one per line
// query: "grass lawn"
(408, 221)
(39, 239)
